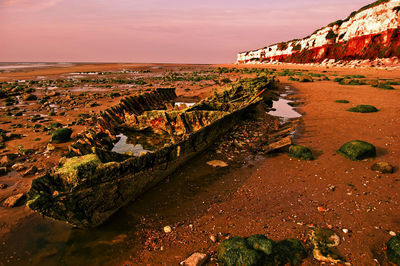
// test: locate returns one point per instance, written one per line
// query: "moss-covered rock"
(61, 135)
(262, 243)
(306, 79)
(235, 251)
(289, 251)
(357, 150)
(300, 152)
(341, 101)
(393, 250)
(363, 109)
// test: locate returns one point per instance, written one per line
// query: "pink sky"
(181, 31)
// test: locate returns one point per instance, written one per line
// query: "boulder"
(382, 167)
(196, 259)
(261, 243)
(300, 152)
(357, 150)
(61, 135)
(363, 109)
(14, 200)
(235, 251)
(393, 250)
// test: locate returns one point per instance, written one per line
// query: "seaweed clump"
(363, 109)
(357, 150)
(300, 152)
(259, 250)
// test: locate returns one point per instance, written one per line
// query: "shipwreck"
(99, 176)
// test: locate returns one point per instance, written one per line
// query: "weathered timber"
(85, 190)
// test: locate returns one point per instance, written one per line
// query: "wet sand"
(273, 195)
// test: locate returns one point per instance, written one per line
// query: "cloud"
(31, 4)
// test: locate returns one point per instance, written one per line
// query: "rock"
(167, 229)
(289, 251)
(217, 163)
(306, 79)
(31, 171)
(29, 97)
(50, 147)
(3, 171)
(3, 186)
(235, 251)
(363, 109)
(382, 167)
(300, 152)
(357, 150)
(262, 243)
(5, 161)
(61, 135)
(323, 240)
(196, 259)
(393, 250)
(18, 167)
(14, 200)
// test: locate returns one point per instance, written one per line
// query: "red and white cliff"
(369, 33)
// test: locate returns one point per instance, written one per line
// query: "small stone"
(50, 147)
(213, 238)
(392, 233)
(18, 167)
(217, 163)
(322, 209)
(5, 161)
(14, 200)
(345, 230)
(196, 259)
(382, 167)
(31, 171)
(3, 171)
(167, 229)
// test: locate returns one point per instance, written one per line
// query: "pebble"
(196, 259)
(14, 200)
(392, 233)
(167, 229)
(345, 230)
(217, 163)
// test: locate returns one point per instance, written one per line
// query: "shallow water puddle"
(122, 146)
(283, 110)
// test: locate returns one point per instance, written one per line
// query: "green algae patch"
(71, 168)
(363, 108)
(393, 250)
(300, 152)
(289, 251)
(357, 150)
(342, 101)
(61, 135)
